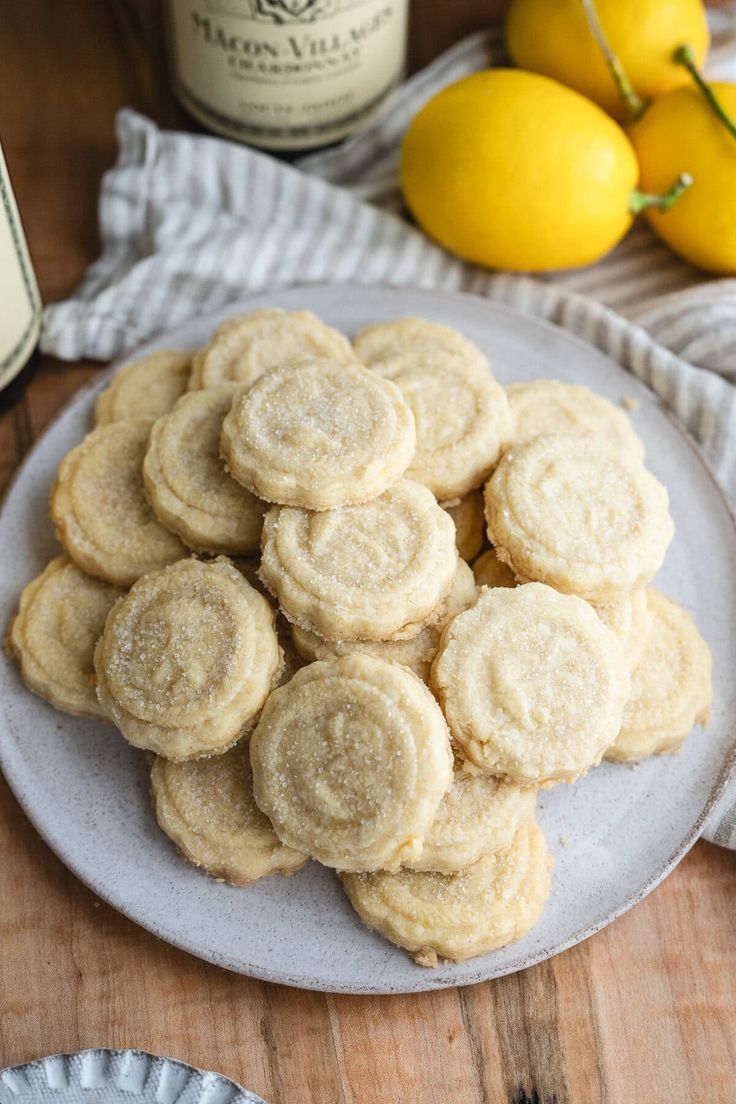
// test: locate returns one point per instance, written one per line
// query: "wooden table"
(646, 1010)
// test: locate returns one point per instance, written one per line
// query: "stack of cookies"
(265, 587)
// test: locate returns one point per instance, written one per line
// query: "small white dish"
(615, 833)
(117, 1077)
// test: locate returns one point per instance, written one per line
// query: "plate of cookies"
(368, 640)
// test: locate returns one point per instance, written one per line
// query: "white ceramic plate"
(624, 828)
(117, 1077)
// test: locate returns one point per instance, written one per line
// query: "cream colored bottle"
(286, 74)
(20, 303)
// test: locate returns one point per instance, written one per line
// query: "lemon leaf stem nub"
(683, 55)
(641, 200)
(634, 102)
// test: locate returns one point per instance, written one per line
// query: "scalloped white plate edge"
(123, 1074)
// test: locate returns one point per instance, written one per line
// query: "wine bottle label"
(286, 74)
(20, 303)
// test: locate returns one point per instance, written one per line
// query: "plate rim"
(727, 767)
(242, 1094)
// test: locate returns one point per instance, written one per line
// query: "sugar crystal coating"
(187, 659)
(318, 434)
(351, 759)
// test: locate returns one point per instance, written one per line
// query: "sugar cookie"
(188, 487)
(61, 616)
(671, 688)
(187, 659)
(550, 406)
(470, 523)
(630, 620)
(146, 388)
(350, 762)
(416, 654)
(457, 916)
(489, 571)
(372, 572)
(318, 434)
(478, 816)
(245, 347)
(532, 683)
(207, 810)
(100, 510)
(579, 514)
(463, 421)
(411, 335)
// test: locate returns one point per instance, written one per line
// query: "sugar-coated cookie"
(318, 434)
(351, 760)
(416, 653)
(457, 916)
(411, 335)
(245, 347)
(470, 523)
(671, 687)
(188, 487)
(489, 571)
(207, 810)
(631, 622)
(146, 388)
(61, 616)
(187, 659)
(100, 509)
(478, 816)
(578, 513)
(532, 683)
(462, 418)
(550, 406)
(378, 571)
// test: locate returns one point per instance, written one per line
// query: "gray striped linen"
(190, 223)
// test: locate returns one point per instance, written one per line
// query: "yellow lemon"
(513, 170)
(680, 132)
(553, 37)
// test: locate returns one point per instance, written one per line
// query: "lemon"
(680, 131)
(553, 37)
(513, 170)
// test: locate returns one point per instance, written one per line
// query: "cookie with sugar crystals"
(671, 687)
(631, 621)
(147, 388)
(188, 487)
(318, 434)
(478, 816)
(532, 683)
(458, 916)
(100, 509)
(187, 659)
(411, 335)
(550, 406)
(470, 523)
(60, 619)
(578, 513)
(416, 654)
(490, 572)
(207, 809)
(462, 417)
(244, 348)
(351, 760)
(377, 571)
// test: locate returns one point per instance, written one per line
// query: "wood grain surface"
(644, 1011)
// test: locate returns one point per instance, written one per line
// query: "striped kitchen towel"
(190, 223)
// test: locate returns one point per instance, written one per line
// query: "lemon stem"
(634, 103)
(639, 201)
(683, 55)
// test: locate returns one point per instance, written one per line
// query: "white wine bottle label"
(286, 74)
(20, 303)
